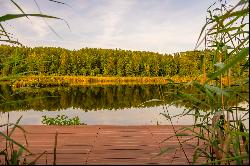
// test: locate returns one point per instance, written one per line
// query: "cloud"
(165, 26)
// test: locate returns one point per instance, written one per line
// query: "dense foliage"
(61, 120)
(101, 62)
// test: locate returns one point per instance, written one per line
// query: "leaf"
(154, 100)
(220, 65)
(200, 125)
(199, 41)
(196, 155)
(226, 159)
(19, 8)
(38, 157)
(167, 149)
(234, 60)
(16, 125)
(14, 16)
(217, 90)
(193, 99)
(14, 158)
(50, 27)
(182, 134)
(20, 152)
(59, 2)
(167, 138)
(219, 21)
(13, 129)
(208, 93)
(13, 141)
(242, 2)
(236, 13)
(6, 33)
(224, 30)
(168, 117)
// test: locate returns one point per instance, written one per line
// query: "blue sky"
(164, 26)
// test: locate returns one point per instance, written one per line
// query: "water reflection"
(85, 98)
(107, 105)
(127, 116)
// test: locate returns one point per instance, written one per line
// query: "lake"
(97, 105)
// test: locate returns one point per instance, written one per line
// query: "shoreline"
(51, 81)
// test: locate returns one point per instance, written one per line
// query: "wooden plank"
(103, 144)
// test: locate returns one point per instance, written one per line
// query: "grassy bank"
(49, 81)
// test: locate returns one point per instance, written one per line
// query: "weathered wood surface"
(104, 144)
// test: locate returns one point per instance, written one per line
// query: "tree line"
(104, 62)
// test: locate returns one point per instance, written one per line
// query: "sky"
(164, 26)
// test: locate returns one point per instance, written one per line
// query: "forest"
(106, 62)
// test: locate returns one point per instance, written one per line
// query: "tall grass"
(50, 81)
(222, 135)
(8, 37)
(15, 153)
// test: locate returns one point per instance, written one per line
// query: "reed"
(15, 153)
(221, 133)
(50, 81)
(55, 148)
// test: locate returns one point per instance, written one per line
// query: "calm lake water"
(96, 105)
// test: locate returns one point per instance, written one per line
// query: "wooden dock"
(104, 144)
